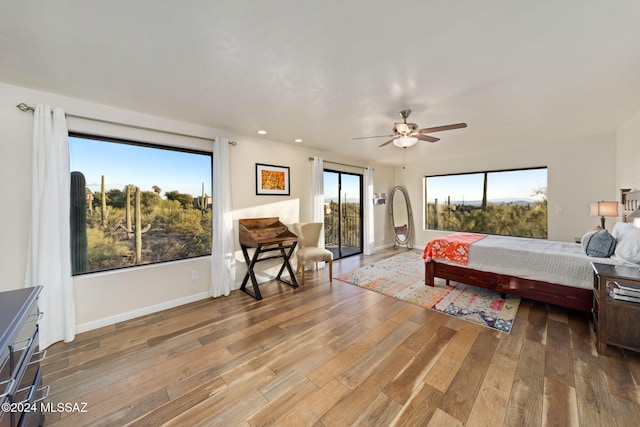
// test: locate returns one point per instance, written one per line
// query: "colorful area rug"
(402, 277)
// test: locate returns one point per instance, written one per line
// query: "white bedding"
(555, 262)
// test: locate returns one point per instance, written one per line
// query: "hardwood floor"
(333, 354)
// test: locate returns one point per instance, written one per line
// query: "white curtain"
(49, 253)
(317, 193)
(223, 261)
(317, 189)
(369, 244)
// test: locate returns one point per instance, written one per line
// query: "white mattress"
(555, 262)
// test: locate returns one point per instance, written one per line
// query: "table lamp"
(603, 209)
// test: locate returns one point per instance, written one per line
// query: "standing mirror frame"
(401, 217)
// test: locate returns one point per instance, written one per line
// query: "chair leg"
(302, 281)
(331, 271)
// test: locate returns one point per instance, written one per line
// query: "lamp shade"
(405, 141)
(604, 208)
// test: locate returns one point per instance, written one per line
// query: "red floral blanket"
(454, 247)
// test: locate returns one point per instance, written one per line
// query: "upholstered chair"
(308, 250)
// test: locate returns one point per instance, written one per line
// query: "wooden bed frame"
(566, 296)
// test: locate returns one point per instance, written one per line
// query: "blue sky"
(123, 164)
(350, 186)
(501, 185)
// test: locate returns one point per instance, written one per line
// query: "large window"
(507, 202)
(134, 204)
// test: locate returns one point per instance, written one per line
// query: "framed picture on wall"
(272, 180)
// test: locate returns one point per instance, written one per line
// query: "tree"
(186, 200)
(116, 198)
(541, 191)
(150, 200)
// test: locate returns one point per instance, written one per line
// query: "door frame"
(340, 222)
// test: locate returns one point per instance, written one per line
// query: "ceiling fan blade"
(388, 142)
(379, 136)
(427, 138)
(441, 128)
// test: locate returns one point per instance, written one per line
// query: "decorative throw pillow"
(620, 228)
(600, 244)
(628, 243)
(590, 232)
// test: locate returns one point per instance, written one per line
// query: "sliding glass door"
(342, 213)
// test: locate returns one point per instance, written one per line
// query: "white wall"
(105, 298)
(579, 172)
(628, 154)
(297, 208)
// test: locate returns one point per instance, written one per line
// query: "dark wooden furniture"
(20, 372)
(565, 296)
(630, 201)
(615, 322)
(266, 235)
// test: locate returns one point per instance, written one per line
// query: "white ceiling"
(518, 72)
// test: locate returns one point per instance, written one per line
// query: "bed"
(558, 273)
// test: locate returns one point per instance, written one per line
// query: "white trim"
(107, 321)
(379, 248)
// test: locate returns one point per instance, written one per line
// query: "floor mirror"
(401, 217)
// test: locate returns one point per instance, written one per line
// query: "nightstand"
(615, 321)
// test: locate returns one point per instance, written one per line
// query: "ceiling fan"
(407, 134)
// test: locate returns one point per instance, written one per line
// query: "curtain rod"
(25, 108)
(338, 163)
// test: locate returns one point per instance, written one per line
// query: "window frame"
(145, 144)
(426, 203)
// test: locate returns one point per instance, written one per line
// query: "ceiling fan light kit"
(407, 134)
(405, 141)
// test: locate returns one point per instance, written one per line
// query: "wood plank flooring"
(333, 354)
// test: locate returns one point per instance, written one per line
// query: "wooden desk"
(266, 235)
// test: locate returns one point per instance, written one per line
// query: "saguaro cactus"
(202, 201)
(127, 207)
(133, 220)
(89, 196)
(78, 223)
(138, 231)
(103, 203)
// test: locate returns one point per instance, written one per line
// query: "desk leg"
(250, 274)
(287, 264)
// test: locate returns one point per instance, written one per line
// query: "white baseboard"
(95, 324)
(121, 317)
(379, 248)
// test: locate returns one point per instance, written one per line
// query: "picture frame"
(272, 180)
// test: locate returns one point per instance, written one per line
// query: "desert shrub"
(104, 250)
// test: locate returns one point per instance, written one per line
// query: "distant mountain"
(335, 199)
(504, 201)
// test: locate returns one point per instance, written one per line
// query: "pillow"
(620, 228)
(628, 243)
(590, 232)
(600, 244)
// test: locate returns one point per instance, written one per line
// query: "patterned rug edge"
(397, 276)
